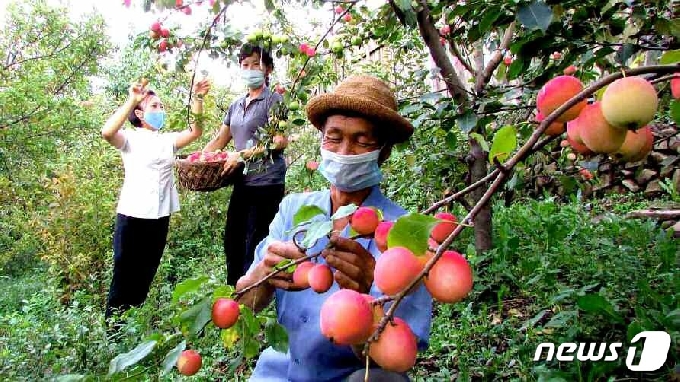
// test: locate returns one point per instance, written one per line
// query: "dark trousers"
(251, 210)
(138, 245)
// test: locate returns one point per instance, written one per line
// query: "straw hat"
(365, 95)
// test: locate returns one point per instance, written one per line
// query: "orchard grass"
(527, 290)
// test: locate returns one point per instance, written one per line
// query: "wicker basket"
(205, 176)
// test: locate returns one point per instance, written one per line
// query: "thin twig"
(456, 53)
(197, 55)
(664, 78)
(304, 65)
(485, 74)
(239, 293)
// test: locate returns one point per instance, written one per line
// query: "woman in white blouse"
(149, 195)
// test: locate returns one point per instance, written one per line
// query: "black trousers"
(138, 246)
(251, 210)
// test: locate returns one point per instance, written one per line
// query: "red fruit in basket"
(194, 157)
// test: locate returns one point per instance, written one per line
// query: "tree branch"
(456, 52)
(484, 75)
(431, 37)
(239, 293)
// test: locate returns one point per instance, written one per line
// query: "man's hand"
(353, 263)
(277, 252)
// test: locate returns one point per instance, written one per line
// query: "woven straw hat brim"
(396, 128)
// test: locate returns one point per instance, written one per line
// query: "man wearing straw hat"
(359, 124)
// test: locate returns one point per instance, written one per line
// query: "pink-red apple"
(189, 362)
(556, 93)
(381, 232)
(629, 103)
(395, 269)
(442, 230)
(450, 279)
(597, 134)
(396, 348)
(346, 318)
(364, 220)
(225, 312)
(636, 146)
(320, 278)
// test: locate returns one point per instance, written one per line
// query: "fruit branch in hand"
(239, 293)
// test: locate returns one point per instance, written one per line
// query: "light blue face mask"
(253, 78)
(350, 173)
(155, 119)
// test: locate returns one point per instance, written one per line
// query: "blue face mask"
(155, 119)
(253, 78)
(350, 173)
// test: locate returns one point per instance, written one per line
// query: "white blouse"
(149, 190)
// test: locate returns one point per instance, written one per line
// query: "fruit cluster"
(350, 318)
(616, 124)
(214, 156)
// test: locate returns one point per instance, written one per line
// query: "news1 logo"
(653, 353)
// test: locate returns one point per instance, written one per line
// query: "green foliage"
(44, 79)
(557, 276)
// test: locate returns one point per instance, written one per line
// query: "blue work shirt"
(311, 356)
(243, 123)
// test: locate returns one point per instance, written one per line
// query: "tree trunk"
(482, 223)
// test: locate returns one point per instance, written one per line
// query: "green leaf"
(467, 121)
(670, 57)
(223, 291)
(434, 96)
(316, 231)
(624, 52)
(287, 266)
(515, 68)
(407, 9)
(251, 347)
(490, 17)
(306, 213)
(276, 335)
(595, 303)
(633, 329)
(187, 286)
(171, 358)
(412, 231)
(344, 211)
(412, 108)
(501, 71)
(561, 319)
(269, 5)
(504, 143)
(535, 16)
(298, 122)
(229, 336)
(451, 141)
(125, 360)
(675, 111)
(480, 139)
(197, 316)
